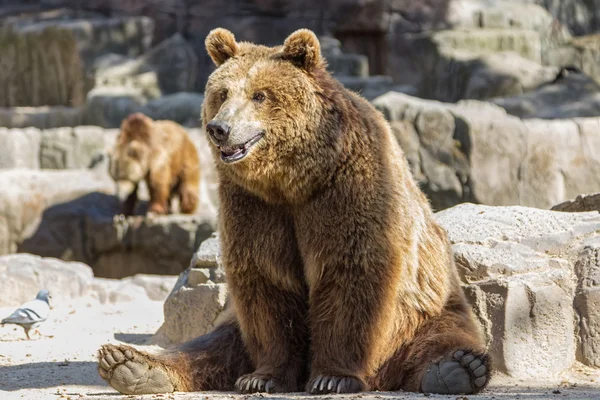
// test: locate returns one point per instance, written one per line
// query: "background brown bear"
(340, 278)
(162, 154)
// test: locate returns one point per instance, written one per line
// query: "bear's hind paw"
(462, 372)
(132, 372)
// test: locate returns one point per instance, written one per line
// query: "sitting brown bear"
(340, 278)
(162, 154)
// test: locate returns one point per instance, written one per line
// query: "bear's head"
(271, 113)
(130, 159)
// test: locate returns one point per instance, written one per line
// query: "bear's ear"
(221, 45)
(302, 48)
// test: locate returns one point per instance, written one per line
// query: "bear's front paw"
(334, 384)
(253, 383)
(157, 209)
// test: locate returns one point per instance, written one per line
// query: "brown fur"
(335, 264)
(162, 154)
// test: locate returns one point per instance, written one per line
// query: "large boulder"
(23, 275)
(89, 229)
(108, 106)
(493, 75)
(29, 193)
(198, 298)
(519, 269)
(571, 94)
(473, 151)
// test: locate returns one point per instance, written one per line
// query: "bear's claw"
(254, 383)
(334, 384)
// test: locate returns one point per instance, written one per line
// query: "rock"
(87, 229)
(114, 70)
(518, 266)
(175, 63)
(47, 57)
(493, 75)
(586, 302)
(571, 95)
(32, 192)
(70, 148)
(580, 16)
(580, 52)
(41, 117)
(373, 86)
(191, 312)
(183, 108)
(343, 64)
(20, 148)
(23, 275)
(108, 106)
(198, 298)
(154, 287)
(582, 203)
(97, 36)
(415, 58)
(480, 154)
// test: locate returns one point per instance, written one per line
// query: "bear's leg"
(130, 202)
(211, 362)
(266, 279)
(189, 198)
(159, 198)
(446, 356)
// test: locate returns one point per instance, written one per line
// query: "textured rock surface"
(494, 75)
(20, 148)
(86, 229)
(59, 148)
(23, 275)
(41, 68)
(31, 192)
(520, 268)
(41, 117)
(97, 35)
(590, 202)
(570, 95)
(70, 148)
(474, 151)
(198, 298)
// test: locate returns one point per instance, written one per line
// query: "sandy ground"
(61, 363)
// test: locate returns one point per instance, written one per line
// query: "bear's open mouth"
(230, 154)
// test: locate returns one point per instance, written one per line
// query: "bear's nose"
(219, 131)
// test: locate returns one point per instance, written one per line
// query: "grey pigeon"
(31, 314)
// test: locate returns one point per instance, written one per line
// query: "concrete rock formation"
(198, 298)
(473, 151)
(23, 274)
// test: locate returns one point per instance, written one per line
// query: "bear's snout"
(219, 131)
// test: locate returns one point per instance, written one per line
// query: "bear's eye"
(224, 95)
(259, 97)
